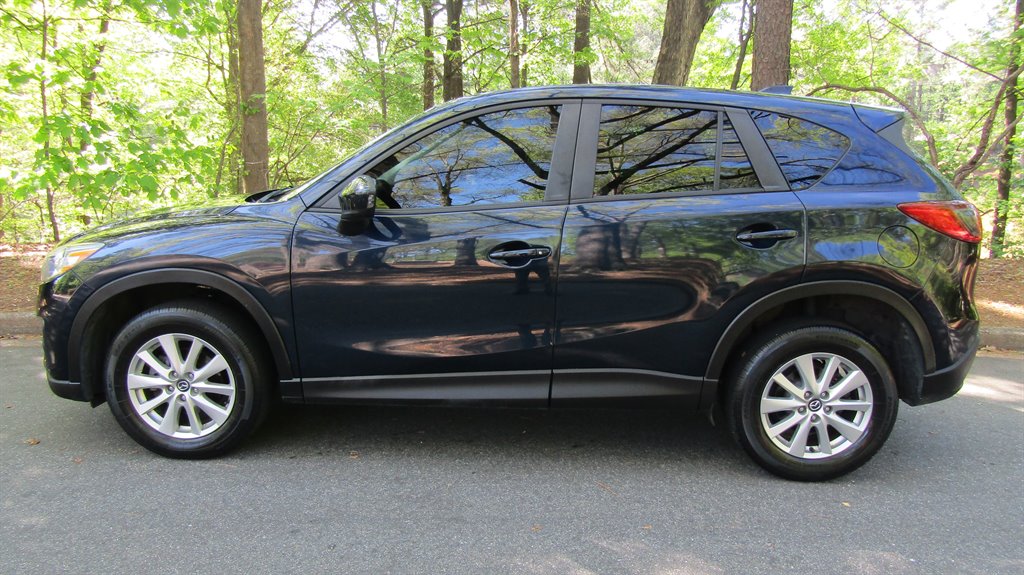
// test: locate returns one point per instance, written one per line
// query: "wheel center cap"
(182, 385)
(813, 405)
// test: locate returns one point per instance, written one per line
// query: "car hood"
(163, 218)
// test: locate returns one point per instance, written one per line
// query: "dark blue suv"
(784, 262)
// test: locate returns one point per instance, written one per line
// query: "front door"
(450, 293)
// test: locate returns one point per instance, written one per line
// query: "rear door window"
(654, 149)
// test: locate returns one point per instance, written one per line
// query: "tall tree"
(451, 86)
(92, 65)
(773, 29)
(44, 44)
(684, 23)
(746, 28)
(524, 76)
(381, 50)
(1006, 158)
(228, 160)
(513, 41)
(253, 86)
(581, 44)
(428, 53)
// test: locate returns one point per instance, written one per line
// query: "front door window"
(497, 158)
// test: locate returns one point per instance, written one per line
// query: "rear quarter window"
(805, 151)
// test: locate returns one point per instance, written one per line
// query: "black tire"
(217, 417)
(824, 454)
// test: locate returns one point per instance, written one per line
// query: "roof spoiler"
(877, 118)
(886, 122)
(784, 90)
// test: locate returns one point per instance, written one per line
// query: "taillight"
(955, 218)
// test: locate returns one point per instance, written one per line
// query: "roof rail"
(787, 90)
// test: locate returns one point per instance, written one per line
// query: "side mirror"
(358, 202)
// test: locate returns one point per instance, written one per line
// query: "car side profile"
(786, 263)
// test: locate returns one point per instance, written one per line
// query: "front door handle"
(531, 253)
(766, 235)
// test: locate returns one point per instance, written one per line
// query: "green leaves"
(157, 121)
(149, 185)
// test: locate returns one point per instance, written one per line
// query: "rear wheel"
(183, 381)
(812, 402)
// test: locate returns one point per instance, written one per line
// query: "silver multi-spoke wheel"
(816, 406)
(181, 386)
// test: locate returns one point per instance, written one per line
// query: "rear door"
(675, 224)
(450, 293)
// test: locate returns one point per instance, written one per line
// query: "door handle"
(766, 235)
(531, 253)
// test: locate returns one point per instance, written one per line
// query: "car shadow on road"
(538, 435)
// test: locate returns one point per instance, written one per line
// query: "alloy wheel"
(181, 386)
(816, 405)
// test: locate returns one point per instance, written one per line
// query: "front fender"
(241, 293)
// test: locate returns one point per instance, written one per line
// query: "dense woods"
(112, 106)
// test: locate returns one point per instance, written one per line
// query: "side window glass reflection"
(735, 172)
(804, 151)
(649, 150)
(656, 149)
(498, 158)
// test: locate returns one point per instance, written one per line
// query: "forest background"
(108, 107)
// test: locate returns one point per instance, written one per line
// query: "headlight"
(62, 259)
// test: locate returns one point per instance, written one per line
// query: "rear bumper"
(946, 382)
(67, 389)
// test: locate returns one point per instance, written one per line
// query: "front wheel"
(183, 381)
(812, 403)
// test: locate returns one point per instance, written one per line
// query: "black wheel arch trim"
(730, 337)
(213, 280)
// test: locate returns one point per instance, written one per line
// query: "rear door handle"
(766, 235)
(531, 253)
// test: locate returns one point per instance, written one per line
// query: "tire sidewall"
(215, 331)
(784, 347)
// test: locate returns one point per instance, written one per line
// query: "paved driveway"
(390, 490)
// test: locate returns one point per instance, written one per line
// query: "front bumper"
(57, 315)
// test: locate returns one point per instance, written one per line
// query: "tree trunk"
(233, 107)
(89, 91)
(1005, 174)
(746, 27)
(465, 252)
(428, 55)
(50, 203)
(773, 28)
(253, 87)
(684, 22)
(581, 45)
(513, 40)
(382, 73)
(524, 9)
(452, 87)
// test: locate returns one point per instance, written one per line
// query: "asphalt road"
(390, 490)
